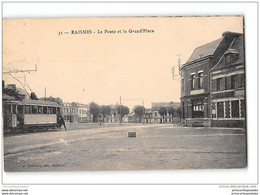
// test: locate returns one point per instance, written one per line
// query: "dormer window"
(231, 55)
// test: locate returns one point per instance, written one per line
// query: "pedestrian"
(61, 121)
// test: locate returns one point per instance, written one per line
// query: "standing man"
(63, 122)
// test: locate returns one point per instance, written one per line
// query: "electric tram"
(30, 114)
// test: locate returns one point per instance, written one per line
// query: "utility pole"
(45, 92)
(175, 72)
(179, 62)
(19, 71)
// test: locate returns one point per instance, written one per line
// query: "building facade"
(153, 115)
(83, 113)
(75, 112)
(196, 83)
(227, 92)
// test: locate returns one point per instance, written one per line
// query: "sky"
(102, 67)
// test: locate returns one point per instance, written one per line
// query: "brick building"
(196, 81)
(228, 87)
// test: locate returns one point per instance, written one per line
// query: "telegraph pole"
(176, 73)
(179, 62)
(18, 71)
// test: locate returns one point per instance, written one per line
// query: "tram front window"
(20, 109)
(14, 109)
(54, 110)
(8, 109)
(58, 110)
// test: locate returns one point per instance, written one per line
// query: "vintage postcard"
(124, 93)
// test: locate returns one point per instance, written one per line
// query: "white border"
(227, 176)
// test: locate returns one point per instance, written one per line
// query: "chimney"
(230, 34)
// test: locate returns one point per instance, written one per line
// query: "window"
(198, 109)
(235, 108)
(193, 81)
(14, 109)
(220, 109)
(243, 108)
(218, 84)
(40, 110)
(231, 57)
(27, 109)
(240, 81)
(200, 79)
(54, 110)
(213, 110)
(20, 109)
(228, 59)
(233, 81)
(58, 110)
(44, 109)
(49, 110)
(34, 109)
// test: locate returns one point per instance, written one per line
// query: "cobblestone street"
(91, 147)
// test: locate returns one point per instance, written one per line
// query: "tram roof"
(35, 102)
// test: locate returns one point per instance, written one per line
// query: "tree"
(171, 111)
(139, 110)
(163, 112)
(105, 110)
(124, 110)
(94, 109)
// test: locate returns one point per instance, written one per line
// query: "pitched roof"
(204, 50)
(237, 47)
